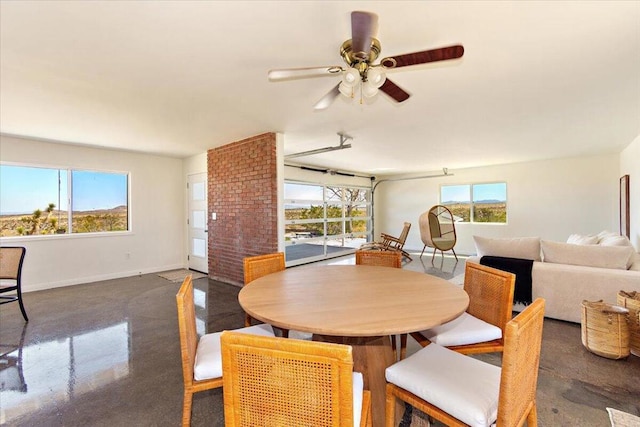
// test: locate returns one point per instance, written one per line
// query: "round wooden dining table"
(357, 305)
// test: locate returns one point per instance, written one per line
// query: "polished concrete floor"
(107, 354)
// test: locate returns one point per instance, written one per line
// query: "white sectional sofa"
(564, 274)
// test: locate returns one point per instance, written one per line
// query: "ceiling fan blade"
(301, 73)
(394, 91)
(364, 26)
(415, 58)
(328, 99)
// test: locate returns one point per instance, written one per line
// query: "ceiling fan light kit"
(361, 76)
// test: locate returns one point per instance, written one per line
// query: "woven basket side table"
(605, 330)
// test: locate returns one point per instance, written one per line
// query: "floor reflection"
(11, 373)
(60, 370)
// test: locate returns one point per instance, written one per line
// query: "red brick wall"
(242, 191)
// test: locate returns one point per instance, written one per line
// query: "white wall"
(156, 242)
(550, 199)
(630, 165)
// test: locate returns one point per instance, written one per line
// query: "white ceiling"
(538, 79)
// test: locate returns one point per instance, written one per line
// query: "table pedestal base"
(371, 356)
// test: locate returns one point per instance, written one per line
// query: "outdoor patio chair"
(391, 243)
(438, 230)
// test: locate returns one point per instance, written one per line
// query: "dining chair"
(11, 260)
(261, 265)
(379, 258)
(459, 390)
(284, 382)
(201, 358)
(383, 259)
(258, 266)
(480, 329)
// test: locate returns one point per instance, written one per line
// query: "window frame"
(327, 202)
(472, 204)
(68, 170)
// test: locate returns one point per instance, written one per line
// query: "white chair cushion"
(358, 386)
(463, 330)
(462, 386)
(208, 363)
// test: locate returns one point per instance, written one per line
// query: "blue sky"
(25, 189)
(461, 193)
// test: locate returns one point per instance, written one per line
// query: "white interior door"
(198, 247)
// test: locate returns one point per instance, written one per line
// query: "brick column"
(242, 191)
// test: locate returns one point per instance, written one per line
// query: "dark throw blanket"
(521, 268)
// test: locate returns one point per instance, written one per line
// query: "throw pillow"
(615, 240)
(578, 239)
(517, 247)
(617, 257)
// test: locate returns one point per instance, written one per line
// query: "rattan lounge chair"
(391, 243)
(438, 230)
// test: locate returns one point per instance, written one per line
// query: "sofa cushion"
(517, 247)
(618, 257)
(578, 239)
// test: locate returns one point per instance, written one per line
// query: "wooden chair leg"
(390, 409)
(532, 418)
(394, 347)
(186, 408)
(454, 254)
(403, 346)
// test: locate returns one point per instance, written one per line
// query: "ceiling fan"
(361, 74)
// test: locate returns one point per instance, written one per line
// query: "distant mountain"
(478, 202)
(489, 201)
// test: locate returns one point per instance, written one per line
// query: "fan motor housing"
(353, 58)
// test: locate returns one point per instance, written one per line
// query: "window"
(486, 203)
(42, 201)
(324, 220)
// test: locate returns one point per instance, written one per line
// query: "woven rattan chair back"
(518, 378)
(520, 363)
(425, 231)
(258, 266)
(490, 299)
(11, 261)
(402, 238)
(379, 258)
(188, 348)
(439, 232)
(283, 382)
(490, 294)
(261, 265)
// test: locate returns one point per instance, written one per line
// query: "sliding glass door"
(324, 221)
